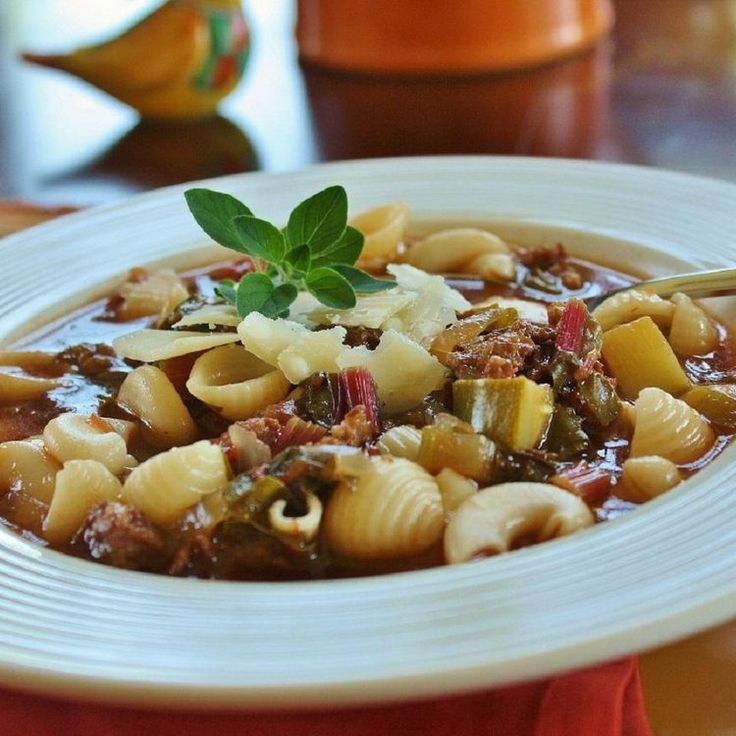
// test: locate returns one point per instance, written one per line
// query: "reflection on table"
(661, 91)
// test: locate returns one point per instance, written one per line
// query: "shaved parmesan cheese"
(267, 338)
(529, 310)
(434, 309)
(302, 307)
(152, 345)
(369, 311)
(404, 372)
(311, 353)
(211, 315)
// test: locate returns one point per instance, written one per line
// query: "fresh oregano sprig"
(315, 252)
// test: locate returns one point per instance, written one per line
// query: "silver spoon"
(698, 284)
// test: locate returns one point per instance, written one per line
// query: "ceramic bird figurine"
(178, 62)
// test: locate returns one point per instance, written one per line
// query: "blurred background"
(659, 90)
(486, 77)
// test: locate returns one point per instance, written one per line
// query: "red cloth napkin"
(600, 701)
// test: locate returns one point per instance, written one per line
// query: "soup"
(174, 429)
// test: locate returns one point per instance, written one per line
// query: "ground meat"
(193, 556)
(266, 429)
(552, 259)
(121, 536)
(358, 336)
(366, 336)
(502, 353)
(90, 359)
(355, 429)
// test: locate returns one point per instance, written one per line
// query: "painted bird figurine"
(177, 63)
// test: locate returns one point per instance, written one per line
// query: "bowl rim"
(38, 671)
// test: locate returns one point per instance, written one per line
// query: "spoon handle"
(718, 282)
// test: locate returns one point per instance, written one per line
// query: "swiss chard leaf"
(214, 213)
(363, 282)
(346, 250)
(260, 239)
(330, 288)
(319, 220)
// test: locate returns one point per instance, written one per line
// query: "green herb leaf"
(282, 298)
(260, 239)
(227, 290)
(363, 282)
(254, 293)
(299, 259)
(330, 288)
(319, 221)
(345, 250)
(214, 212)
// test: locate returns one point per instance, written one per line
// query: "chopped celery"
(471, 454)
(514, 412)
(716, 403)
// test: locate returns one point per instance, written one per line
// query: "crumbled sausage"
(355, 429)
(121, 536)
(501, 353)
(266, 429)
(554, 260)
(90, 359)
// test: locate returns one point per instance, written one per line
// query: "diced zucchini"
(638, 355)
(514, 412)
(717, 403)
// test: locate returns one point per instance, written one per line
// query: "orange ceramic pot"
(441, 36)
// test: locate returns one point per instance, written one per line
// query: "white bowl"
(667, 570)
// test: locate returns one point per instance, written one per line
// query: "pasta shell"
(496, 519)
(148, 393)
(303, 528)
(626, 306)
(401, 441)
(668, 427)
(493, 267)
(692, 332)
(31, 360)
(453, 249)
(80, 484)
(167, 484)
(236, 383)
(19, 387)
(156, 294)
(383, 228)
(82, 437)
(454, 488)
(26, 465)
(393, 510)
(646, 477)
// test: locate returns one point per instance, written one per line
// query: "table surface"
(661, 91)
